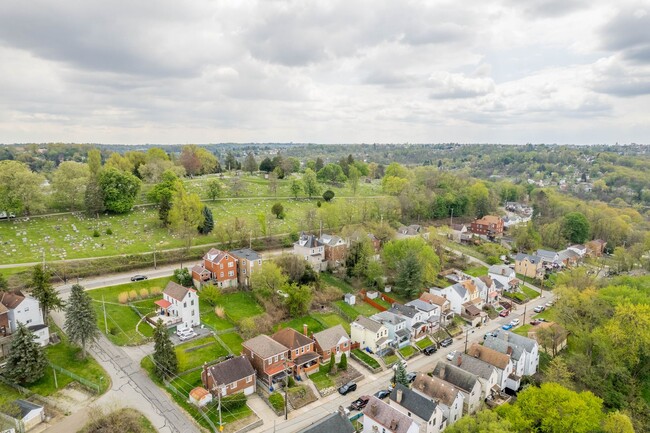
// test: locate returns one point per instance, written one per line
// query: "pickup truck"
(360, 403)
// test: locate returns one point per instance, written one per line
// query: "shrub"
(133, 295)
(291, 382)
(144, 293)
(492, 260)
(155, 291)
(123, 297)
(319, 204)
(343, 364)
(220, 311)
(114, 330)
(183, 277)
(210, 294)
(328, 195)
(96, 233)
(277, 401)
(109, 231)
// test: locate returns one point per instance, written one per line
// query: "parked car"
(446, 342)
(348, 387)
(430, 350)
(549, 304)
(411, 376)
(186, 335)
(360, 403)
(507, 326)
(514, 322)
(382, 394)
(536, 322)
(450, 355)
(489, 334)
(539, 309)
(401, 361)
(138, 277)
(504, 313)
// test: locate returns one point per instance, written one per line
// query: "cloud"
(628, 33)
(451, 86)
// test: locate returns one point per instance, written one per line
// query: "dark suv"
(446, 342)
(348, 387)
(138, 278)
(430, 350)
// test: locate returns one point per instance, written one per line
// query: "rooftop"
(231, 370)
(387, 416)
(414, 402)
(246, 253)
(264, 346)
(290, 338)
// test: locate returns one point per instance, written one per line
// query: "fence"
(342, 313)
(92, 386)
(184, 398)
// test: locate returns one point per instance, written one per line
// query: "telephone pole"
(105, 321)
(219, 396)
(154, 257)
(286, 385)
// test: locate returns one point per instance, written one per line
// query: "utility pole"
(154, 256)
(525, 306)
(219, 397)
(286, 385)
(105, 321)
(451, 219)
(466, 338)
(56, 382)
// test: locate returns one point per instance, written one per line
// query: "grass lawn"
(321, 380)
(190, 355)
(330, 279)
(233, 341)
(407, 351)
(239, 305)
(547, 314)
(522, 329)
(210, 319)
(297, 324)
(477, 271)
(360, 308)
(8, 394)
(390, 359)
(424, 343)
(531, 293)
(333, 319)
(372, 362)
(382, 302)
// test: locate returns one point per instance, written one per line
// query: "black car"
(430, 350)
(138, 277)
(348, 387)
(411, 376)
(382, 394)
(446, 342)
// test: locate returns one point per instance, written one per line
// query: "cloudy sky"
(167, 71)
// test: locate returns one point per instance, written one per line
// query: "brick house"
(269, 358)
(179, 306)
(489, 225)
(200, 275)
(222, 266)
(530, 266)
(230, 377)
(332, 341)
(301, 350)
(596, 248)
(248, 261)
(335, 248)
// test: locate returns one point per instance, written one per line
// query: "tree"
(20, 189)
(332, 173)
(328, 195)
(353, 179)
(190, 160)
(81, 319)
(396, 250)
(295, 188)
(278, 210)
(237, 187)
(310, 184)
(231, 162)
(119, 162)
(208, 221)
(409, 275)
(162, 194)
(250, 165)
(527, 238)
(164, 356)
(183, 277)
(576, 227)
(185, 215)
(94, 197)
(617, 422)
(558, 372)
(214, 189)
(331, 366)
(318, 164)
(298, 299)
(273, 184)
(267, 280)
(343, 363)
(400, 374)
(69, 184)
(26, 361)
(485, 421)
(210, 294)
(358, 258)
(4, 285)
(43, 291)
(119, 189)
(267, 165)
(480, 199)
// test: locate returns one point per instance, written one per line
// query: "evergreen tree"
(81, 319)
(400, 374)
(331, 366)
(343, 364)
(319, 164)
(164, 356)
(43, 291)
(26, 361)
(208, 221)
(250, 165)
(267, 165)
(409, 275)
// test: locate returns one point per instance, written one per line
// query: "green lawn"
(390, 359)
(297, 324)
(522, 329)
(372, 362)
(233, 341)
(424, 343)
(547, 314)
(407, 351)
(477, 271)
(189, 356)
(8, 394)
(321, 379)
(333, 319)
(360, 308)
(239, 305)
(531, 293)
(331, 280)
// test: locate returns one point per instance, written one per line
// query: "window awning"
(163, 303)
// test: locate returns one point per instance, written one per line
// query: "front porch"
(307, 363)
(166, 312)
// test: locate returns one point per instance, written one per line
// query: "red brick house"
(336, 248)
(229, 377)
(332, 341)
(269, 358)
(596, 248)
(489, 225)
(301, 350)
(200, 275)
(4, 320)
(222, 267)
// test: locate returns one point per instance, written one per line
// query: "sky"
(210, 71)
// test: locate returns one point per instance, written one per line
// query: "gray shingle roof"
(414, 402)
(532, 259)
(330, 337)
(403, 310)
(546, 254)
(460, 289)
(502, 346)
(475, 366)
(456, 376)
(330, 240)
(527, 343)
(369, 324)
(176, 291)
(245, 253)
(308, 241)
(501, 270)
(231, 370)
(264, 346)
(436, 388)
(421, 305)
(387, 317)
(332, 423)
(389, 417)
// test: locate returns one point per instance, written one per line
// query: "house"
(550, 337)
(350, 299)
(424, 411)
(332, 341)
(200, 275)
(380, 417)
(301, 350)
(336, 249)
(31, 414)
(431, 312)
(501, 361)
(398, 331)
(487, 289)
(528, 347)
(442, 303)
(548, 257)
(312, 250)
(530, 266)
(269, 358)
(408, 232)
(369, 333)
(248, 261)
(503, 276)
(447, 396)
(461, 293)
(336, 422)
(358, 235)
(229, 377)
(222, 266)
(416, 320)
(179, 306)
(200, 396)
(487, 374)
(22, 309)
(596, 248)
(580, 249)
(458, 231)
(569, 257)
(489, 226)
(465, 381)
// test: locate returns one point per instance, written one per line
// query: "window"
(28, 322)
(26, 309)
(327, 352)
(231, 273)
(302, 350)
(269, 361)
(221, 266)
(184, 304)
(243, 262)
(249, 379)
(231, 264)
(297, 352)
(192, 302)
(192, 312)
(221, 275)
(275, 358)
(244, 271)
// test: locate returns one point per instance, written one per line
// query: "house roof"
(491, 356)
(163, 303)
(330, 337)
(527, 343)
(473, 365)
(472, 309)
(436, 388)
(414, 402)
(458, 227)
(231, 370)
(305, 358)
(198, 393)
(245, 253)
(176, 291)
(579, 247)
(568, 254)
(546, 254)
(369, 324)
(434, 299)
(501, 270)
(215, 255)
(503, 346)
(532, 259)
(291, 338)
(386, 415)
(3, 309)
(460, 289)
(307, 240)
(199, 269)
(456, 376)
(26, 407)
(11, 300)
(330, 240)
(332, 423)
(264, 346)
(489, 219)
(403, 310)
(389, 317)
(422, 305)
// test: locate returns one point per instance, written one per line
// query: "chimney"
(399, 396)
(304, 329)
(342, 412)
(374, 409)
(460, 359)
(509, 351)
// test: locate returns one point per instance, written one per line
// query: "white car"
(450, 355)
(400, 362)
(514, 322)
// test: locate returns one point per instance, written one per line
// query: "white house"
(487, 374)
(448, 397)
(426, 413)
(468, 383)
(430, 310)
(369, 334)
(580, 249)
(416, 320)
(501, 361)
(524, 351)
(179, 306)
(311, 249)
(379, 417)
(549, 257)
(26, 310)
(504, 275)
(399, 333)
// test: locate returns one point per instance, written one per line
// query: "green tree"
(278, 210)
(295, 188)
(310, 183)
(214, 189)
(210, 294)
(394, 185)
(343, 363)
(576, 227)
(273, 184)
(164, 356)
(43, 291)
(119, 162)
(358, 258)
(119, 190)
(479, 199)
(185, 215)
(267, 280)
(267, 165)
(527, 238)
(328, 195)
(162, 194)
(94, 196)
(485, 421)
(81, 319)
(353, 179)
(250, 165)
(20, 189)
(318, 164)
(558, 372)
(208, 221)
(231, 162)
(298, 299)
(26, 361)
(332, 173)
(69, 184)
(183, 277)
(396, 250)
(400, 374)
(617, 422)
(331, 366)
(409, 275)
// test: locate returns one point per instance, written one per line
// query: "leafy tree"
(94, 196)
(214, 189)
(298, 299)
(190, 160)
(558, 372)
(343, 363)
(119, 189)
(328, 195)
(295, 188)
(409, 275)
(162, 194)
(164, 356)
(400, 375)
(26, 361)
(183, 277)
(297, 269)
(576, 227)
(278, 210)
(375, 275)
(211, 294)
(480, 199)
(208, 221)
(237, 187)
(332, 173)
(250, 165)
(185, 215)
(394, 185)
(267, 165)
(69, 184)
(397, 250)
(358, 258)
(279, 172)
(119, 162)
(20, 189)
(231, 162)
(43, 291)
(527, 238)
(310, 183)
(267, 280)
(617, 422)
(273, 184)
(318, 164)
(353, 179)
(81, 319)
(485, 421)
